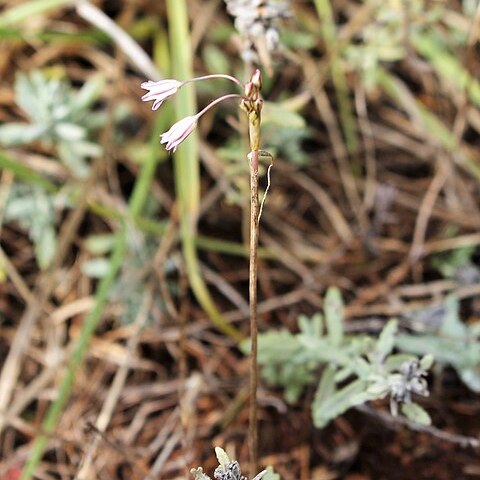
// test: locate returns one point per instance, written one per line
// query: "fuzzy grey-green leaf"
(222, 457)
(333, 310)
(416, 413)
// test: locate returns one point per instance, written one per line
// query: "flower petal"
(178, 132)
(160, 91)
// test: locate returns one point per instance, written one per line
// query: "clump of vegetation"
(59, 116)
(34, 210)
(353, 369)
(230, 470)
(62, 118)
(348, 369)
(130, 327)
(451, 341)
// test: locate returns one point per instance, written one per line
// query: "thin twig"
(266, 189)
(395, 422)
(137, 56)
(117, 386)
(131, 459)
(425, 212)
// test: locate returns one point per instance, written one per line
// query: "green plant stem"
(254, 120)
(26, 174)
(23, 11)
(254, 234)
(252, 105)
(186, 165)
(330, 37)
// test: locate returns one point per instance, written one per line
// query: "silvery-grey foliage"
(34, 210)
(355, 369)
(58, 115)
(453, 342)
(411, 379)
(258, 21)
(230, 470)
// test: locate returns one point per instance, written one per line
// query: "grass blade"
(186, 164)
(21, 12)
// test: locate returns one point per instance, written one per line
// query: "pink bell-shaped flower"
(178, 132)
(159, 91)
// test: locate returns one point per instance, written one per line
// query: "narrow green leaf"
(339, 79)
(89, 92)
(447, 66)
(333, 309)
(270, 474)
(329, 404)
(19, 133)
(386, 340)
(416, 413)
(426, 362)
(222, 457)
(26, 174)
(45, 247)
(96, 267)
(279, 114)
(471, 377)
(186, 164)
(100, 244)
(452, 326)
(26, 10)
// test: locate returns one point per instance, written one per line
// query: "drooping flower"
(159, 91)
(184, 127)
(178, 132)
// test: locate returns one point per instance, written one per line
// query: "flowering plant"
(229, 470)
(251, 103)
(160, 91)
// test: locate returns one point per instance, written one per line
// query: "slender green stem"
(254, 234)
(215, 75)
(339, 79)
(253, 107)
(186, 165)
(216, 101)
(27, 174)
(26, 10)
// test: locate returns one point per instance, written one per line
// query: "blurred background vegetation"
(124, 271)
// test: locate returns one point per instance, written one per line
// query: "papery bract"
(179, 132)
(159, 91)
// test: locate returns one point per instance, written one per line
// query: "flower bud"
(249, 89)
(257, 79)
